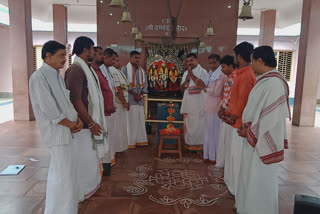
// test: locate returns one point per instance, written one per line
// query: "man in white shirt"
(109, 58)
(57, 121)
(192, 107)
(122, 104)
(214, 91)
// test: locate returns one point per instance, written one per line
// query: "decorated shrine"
(164, 72)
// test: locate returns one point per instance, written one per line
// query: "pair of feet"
(209, 161)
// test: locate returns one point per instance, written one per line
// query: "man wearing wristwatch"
(192, 107)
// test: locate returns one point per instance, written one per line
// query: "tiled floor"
(135, 185)
(6, 109)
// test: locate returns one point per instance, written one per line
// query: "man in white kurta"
(137, 135)
(264, 127)
(109, 57)
(192, 84)
(122, 105)
(57, 121)
(214, 91)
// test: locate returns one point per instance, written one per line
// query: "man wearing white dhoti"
(109, 58)
(214, 91)
(264, 128)
(87, 98)
(227, 67)
(122, 105)
(192, 85)
(244, 81)
(57, 121)
(137, 135)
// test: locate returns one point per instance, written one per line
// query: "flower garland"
(170, 130)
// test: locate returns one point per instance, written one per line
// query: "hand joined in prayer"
(190, 70)
(186, 83)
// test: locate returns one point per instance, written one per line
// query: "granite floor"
(142, 183)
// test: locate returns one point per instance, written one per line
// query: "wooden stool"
(161, 145)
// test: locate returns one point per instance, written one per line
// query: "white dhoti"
(211, 139)
(265, 119)
(110, 120)
(137, 135)
(233, 161)
(89, 176)
(194, 130)
(62, 187)
(258, 184)
(120, 127)
(224, 143)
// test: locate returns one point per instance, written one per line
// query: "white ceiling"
(288, 11)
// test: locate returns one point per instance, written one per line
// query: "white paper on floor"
(12, 170)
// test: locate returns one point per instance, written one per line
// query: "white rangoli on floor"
(186, 202)
(182, 160)
(176, 179)
(139, 181)
(215, 173)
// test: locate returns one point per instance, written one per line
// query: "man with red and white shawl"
(264, 126)
(137, 135)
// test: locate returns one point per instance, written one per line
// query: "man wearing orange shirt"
(240, 90)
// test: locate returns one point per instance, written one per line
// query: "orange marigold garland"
(170, 130)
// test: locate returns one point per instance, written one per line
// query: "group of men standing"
(86, 117)
(237, 113)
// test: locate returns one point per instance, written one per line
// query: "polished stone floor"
(141, 183)
(6, 111)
